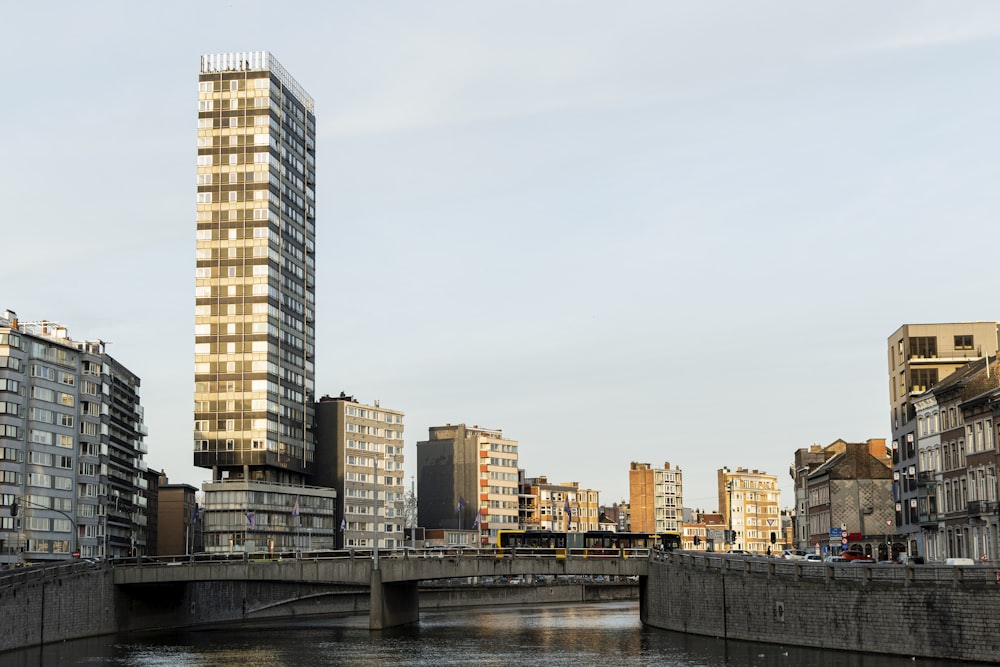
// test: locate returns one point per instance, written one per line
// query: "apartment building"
(920, 356)
(954, 479)
(254, 385)
(656, 498)
(467, 478)
(359, 453)
(751, 502)
(559, 507)
(72, 448)
(179, 523)
(849, 500)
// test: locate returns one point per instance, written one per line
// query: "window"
(923, 347)
(40, 480)
(230, 445)
(43, 394)
(41, 437)
(40, 458)
(963, 342)
(206, 105)
(206, 86)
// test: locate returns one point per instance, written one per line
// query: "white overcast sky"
(633, 231)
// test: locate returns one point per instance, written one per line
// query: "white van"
(959, 561)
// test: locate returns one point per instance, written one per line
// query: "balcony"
(925, 477)
(927, 520)
(981, 507)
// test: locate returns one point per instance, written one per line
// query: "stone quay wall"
(55, 604)
(932, 611)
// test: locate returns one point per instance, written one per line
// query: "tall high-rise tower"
(255, 278)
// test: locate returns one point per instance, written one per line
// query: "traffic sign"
(843, 540)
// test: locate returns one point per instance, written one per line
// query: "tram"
(593, 543)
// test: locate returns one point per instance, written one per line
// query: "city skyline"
(579, 222)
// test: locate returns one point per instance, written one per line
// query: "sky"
(645, 231)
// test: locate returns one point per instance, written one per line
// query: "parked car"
(855, 554)
(835, 559)
(905, 559)
(812, 558)
(959, 561)
(793, 554)
(739, 552)
(862, 561)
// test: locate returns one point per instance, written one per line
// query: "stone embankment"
(932, 611)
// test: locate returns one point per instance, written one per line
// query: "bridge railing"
(366, 554)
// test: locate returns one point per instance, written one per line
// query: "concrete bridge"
(933, 610)
(226, 588)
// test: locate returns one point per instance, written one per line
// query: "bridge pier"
(392, 604)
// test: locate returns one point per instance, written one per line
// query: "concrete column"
(392, 604)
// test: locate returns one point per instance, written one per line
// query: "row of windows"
(46, 481)
(366, 413)
(47, 459)
(233, 85)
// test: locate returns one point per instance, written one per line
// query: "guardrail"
(44, 571)
(932, 572)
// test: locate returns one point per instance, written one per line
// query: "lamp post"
(375, 509)
(732, 533)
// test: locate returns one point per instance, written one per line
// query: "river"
(606, 634)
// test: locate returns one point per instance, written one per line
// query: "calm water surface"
(606, 634)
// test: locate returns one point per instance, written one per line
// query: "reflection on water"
(606, 634)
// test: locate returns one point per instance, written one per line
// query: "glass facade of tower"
(255, 273)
